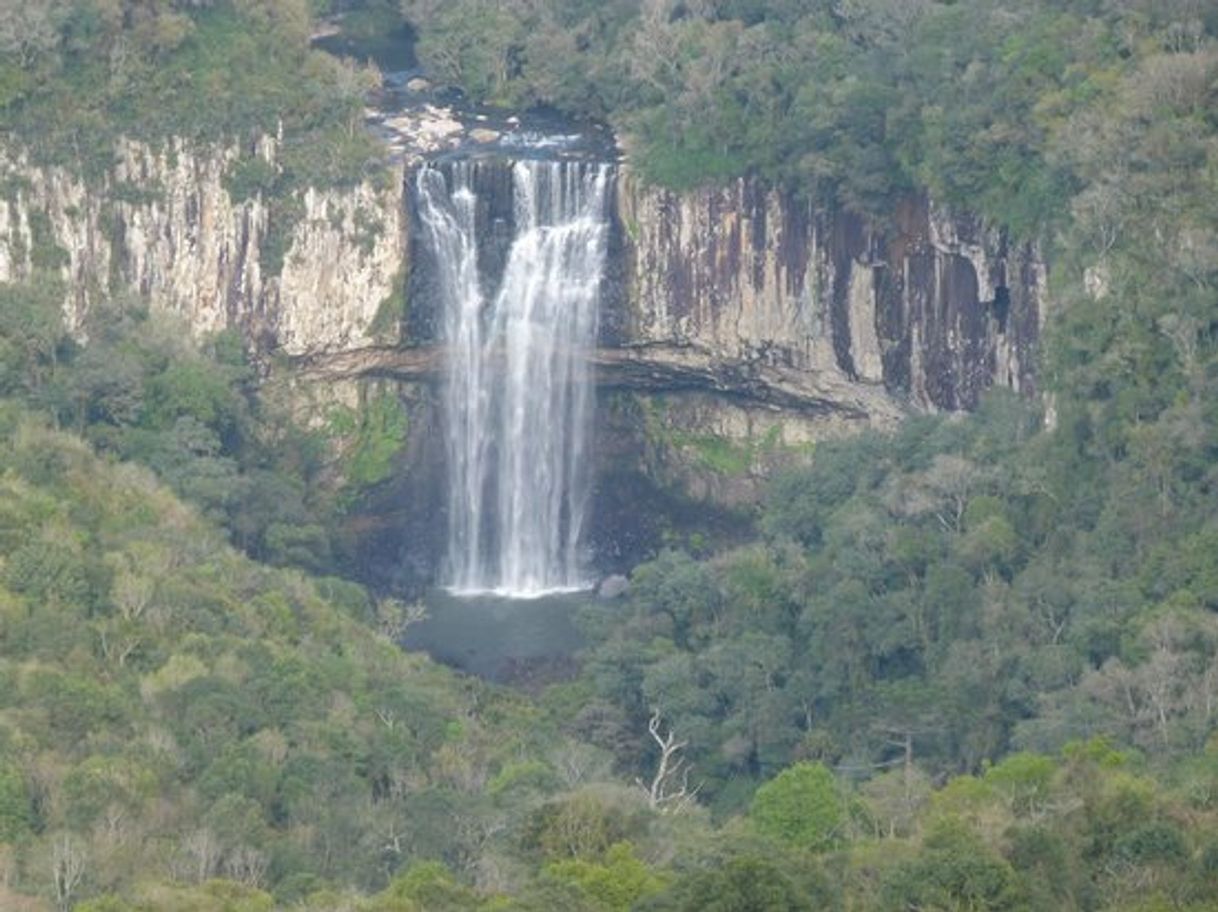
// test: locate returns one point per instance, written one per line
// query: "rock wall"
(934, 307)
(739, 326)
(161, 222)
(739, 291)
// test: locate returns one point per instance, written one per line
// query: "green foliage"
(743, 885)
(192, 389)
(197, 71)
(45, 255)
(31, 334)
(982, 104)
(583, 826)
(959, 588)
(721, 455)
(287, 210)
(615, 883)
(379, 439)
(141, 389)
(391, 313)
(1014, 604)
(212, 896)
(529, 776)
(953, 872)
(800, 807)
(16, 806)
(428, 885)
(206, 714)
(1025, 779)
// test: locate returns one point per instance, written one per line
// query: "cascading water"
(518, 398)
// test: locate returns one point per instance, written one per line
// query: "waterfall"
(517, 395)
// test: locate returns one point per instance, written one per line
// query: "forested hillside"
(968, 665)
(991, 104)
(76, 75)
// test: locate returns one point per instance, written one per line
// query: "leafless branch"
(669, 791)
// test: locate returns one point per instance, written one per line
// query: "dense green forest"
(970, 665)
(1006, 107)
(75, 75)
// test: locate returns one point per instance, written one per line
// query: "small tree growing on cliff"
(394, 616)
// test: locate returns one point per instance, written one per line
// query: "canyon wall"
(739, 325)
(933, 306)
(758, 289)
(738, 290)
(739, 313)
(162, 223)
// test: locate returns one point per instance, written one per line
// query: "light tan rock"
(161, 223)
(484, 135)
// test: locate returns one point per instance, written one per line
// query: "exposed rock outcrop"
(935, 307)
(739, 325)
(657, 368)
(741, 291)
(162, 222)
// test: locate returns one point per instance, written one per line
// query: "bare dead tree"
(394, 616)
(113, 823)
(474, 834)
(388, 718)
(247, 866)
(199, 856)
(577, 763)
(393, 841)
(132, 593)
(669, 791)
(67, 869)
(118, 642)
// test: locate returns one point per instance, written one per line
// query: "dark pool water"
(524, 642)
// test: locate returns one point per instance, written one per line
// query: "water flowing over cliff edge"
(738, 290)
(737, 325)
(516, 392)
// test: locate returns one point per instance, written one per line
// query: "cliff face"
(739, 292)
(162, 223)
(934, 307)
(739, 325)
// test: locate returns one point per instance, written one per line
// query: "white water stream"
(518, 398)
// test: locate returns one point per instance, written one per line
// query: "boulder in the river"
(483, 135)
(426, 129)
(612, 587)
(418, 84)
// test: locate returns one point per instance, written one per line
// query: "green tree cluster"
(142, 390)
(970, 664)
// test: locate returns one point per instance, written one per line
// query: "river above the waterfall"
(417, 119)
